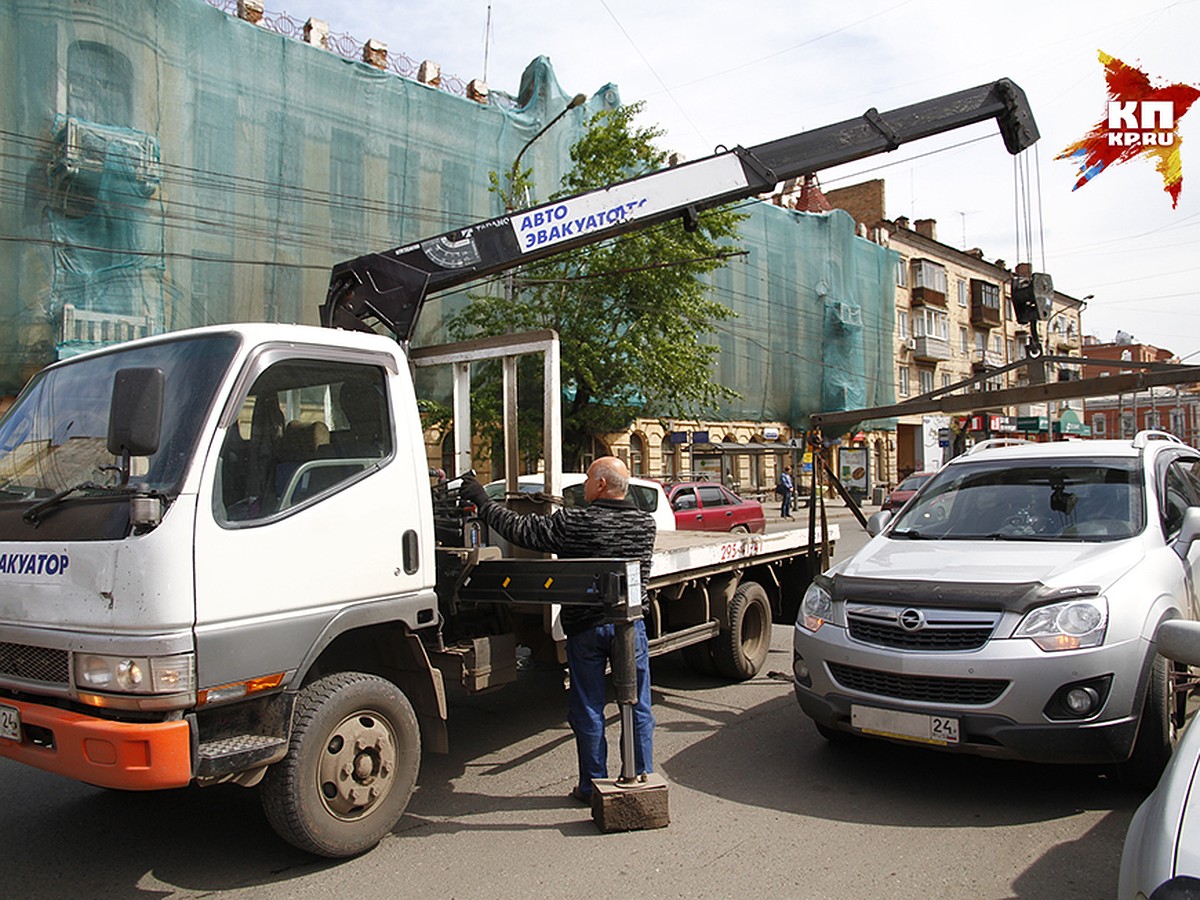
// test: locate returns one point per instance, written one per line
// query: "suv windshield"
(1028, 500)
(55, 436)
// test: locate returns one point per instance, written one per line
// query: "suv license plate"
(940, 730)
(10, 723)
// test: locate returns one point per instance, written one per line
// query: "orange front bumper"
(132, 756)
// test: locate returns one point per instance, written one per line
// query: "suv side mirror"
(135, 416)
(1179, 639)
(878, 522)
(1188, 532)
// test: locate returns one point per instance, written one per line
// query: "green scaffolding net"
(169, 165)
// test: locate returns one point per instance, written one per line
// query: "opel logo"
(912, 620)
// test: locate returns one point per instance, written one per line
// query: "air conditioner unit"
(83, 150)
(910, 343)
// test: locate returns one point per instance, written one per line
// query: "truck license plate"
(940, 730)
(10, 723)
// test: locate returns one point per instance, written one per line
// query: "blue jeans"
(587, 655)
(786, 509)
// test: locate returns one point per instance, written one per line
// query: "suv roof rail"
(1142, 438)
(993, 443)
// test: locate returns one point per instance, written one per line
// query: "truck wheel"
(350, 769)
(1156, 733)
(740, 652)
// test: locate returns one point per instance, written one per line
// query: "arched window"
(99, 84)
(637, 454)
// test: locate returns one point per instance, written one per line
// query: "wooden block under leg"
(629, 807)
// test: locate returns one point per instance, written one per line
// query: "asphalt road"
(759, 803)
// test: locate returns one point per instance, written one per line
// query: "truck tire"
(351, 767)
(1156, 734)
(740, 652)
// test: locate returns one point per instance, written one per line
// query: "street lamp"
(577, 100)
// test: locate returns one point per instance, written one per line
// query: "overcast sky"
(730, 73)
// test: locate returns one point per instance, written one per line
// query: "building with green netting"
(169, 164)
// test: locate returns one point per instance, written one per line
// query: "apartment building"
(955, 326)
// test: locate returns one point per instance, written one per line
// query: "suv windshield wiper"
(910, 533)
(33, 515)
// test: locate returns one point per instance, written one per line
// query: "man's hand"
(472, 491)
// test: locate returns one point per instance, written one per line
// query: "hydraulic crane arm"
(392, 286)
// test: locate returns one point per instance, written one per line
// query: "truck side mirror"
(135, 416)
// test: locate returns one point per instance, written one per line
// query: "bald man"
(610, 526)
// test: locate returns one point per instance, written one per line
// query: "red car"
(707, 506)
(905, 489)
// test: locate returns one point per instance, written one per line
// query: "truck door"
(305, 504)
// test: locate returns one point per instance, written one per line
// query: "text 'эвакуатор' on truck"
(179, 515)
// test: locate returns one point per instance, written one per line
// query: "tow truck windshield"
(55, 436)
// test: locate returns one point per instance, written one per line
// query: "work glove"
(472, 491)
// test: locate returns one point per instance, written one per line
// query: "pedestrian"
(785, 489)
(609, 526)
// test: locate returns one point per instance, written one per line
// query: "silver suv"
(1010, 608)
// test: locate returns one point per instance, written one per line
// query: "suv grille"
(925, 689)
(932, 629)
(885, 634)
(33, 663)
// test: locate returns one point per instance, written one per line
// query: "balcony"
(1063, 340)
(932, 349)
(984, 315)
(927, 296)
(985, 359)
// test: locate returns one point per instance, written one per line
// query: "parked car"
(1162, 847)
(903, 492)
(646, 494)
(1010, 608)
(708, 506)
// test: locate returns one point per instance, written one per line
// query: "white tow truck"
(222, 559)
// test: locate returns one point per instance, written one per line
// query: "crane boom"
(391, 286)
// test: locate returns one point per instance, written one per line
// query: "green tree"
(631, 312)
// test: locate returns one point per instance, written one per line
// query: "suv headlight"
(817, 607)
(135, 674)
(1069, 625)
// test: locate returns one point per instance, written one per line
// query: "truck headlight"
(816, 608)
(1070, 625)
(135, 674)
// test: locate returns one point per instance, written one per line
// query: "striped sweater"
(607, 528)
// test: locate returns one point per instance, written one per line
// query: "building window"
(964, 340)
(637, 455)
(928, 322)
(925, 378)
(996, 344)
(902, 272)
(99, 84)
(963, 294)
(986, 294)
(902, 382)
(1128, 428)
(928, 274)
(902, 323)
(1098, 425)
(945, 379)
(1178, 422)
(346, 184)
